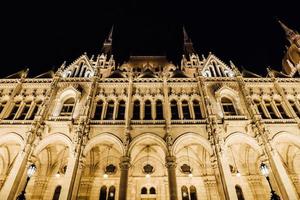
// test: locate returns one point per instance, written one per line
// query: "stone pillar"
(123, 186)
(77, 181)
(171, 166)
(13, 179)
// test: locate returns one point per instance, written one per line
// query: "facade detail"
(150, 130)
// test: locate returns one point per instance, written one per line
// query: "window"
(34, 110)
(147, 113)
(121, 111)
(103, 193)
(281, 109)
(174, 110)
(2, 104)
(14, 110)
(24, 111)
(293, 105)
(110, 110)
(193, 193)
(56, 193)
(184, 193)
(270, 109)
(159, 110)
(197, 109)
(228, 107)
(152, 190)
(239, 192)
(144, 190)
(68, 107)
(136, 110)
(185, 110)
(111, 193)
(260, 109)
(98, 110)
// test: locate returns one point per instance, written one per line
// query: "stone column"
(123, 186)
(77, 181)
(171, 166)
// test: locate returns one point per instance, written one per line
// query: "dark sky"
(42, 35)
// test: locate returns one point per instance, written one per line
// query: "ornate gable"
(81, 67)
(214, 67)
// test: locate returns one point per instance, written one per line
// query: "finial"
(107, 44)
(290, 34)
(187, 43)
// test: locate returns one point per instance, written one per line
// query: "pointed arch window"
(98, 110)
(14, 110)
(174, 110)
(271, 109)
(239, 192)
(111, 193)
(110, 110)
(35, 110)
(152, 190)
(24, 110)
(260, 109)
(228, 107)
(136, 110)
(56, 193)
(193, 192)
(281, 109)
(159, 110)
(184, 193)
(148, 110)
(295, 107)
(103, 193)
(197, 109)
(144, 190)
(121, 110)
(68, 107)
(185, 110)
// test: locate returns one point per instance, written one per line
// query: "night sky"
(41, 36)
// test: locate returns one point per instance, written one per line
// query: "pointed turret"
(107, 44)
(291, 35)
(187, 43)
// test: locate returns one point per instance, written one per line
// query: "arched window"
(152, 190)
(174, 110)
(185, 110)
(98, 110)
(68, 107)
(2, 104)
(193, 192)
(270, 109)
(144, 190)
(14, 110)
(293, 105)
(111, 193)
(24, 111)
(281, 109)
(197, 109)
(159, 110)
(56, 193)
(228, 107)
(148, 112)
(136, 110)
(35, 110)
(184, 193)
(260, 109)
(239, 192)
(103, 193)
(121, 111)
(110, 110)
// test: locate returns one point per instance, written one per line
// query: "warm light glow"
(264, 169)
(238, 174)
(148, 175)
(105, 176)
(190, 175)
(31, 170)
(57, 175)
(111, 194)
(184, 194)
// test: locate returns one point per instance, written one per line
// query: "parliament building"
(150, 130)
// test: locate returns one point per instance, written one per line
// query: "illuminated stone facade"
(150, 130)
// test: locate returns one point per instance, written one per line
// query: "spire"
(107, 44)
(290, 34)
(187, 43)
